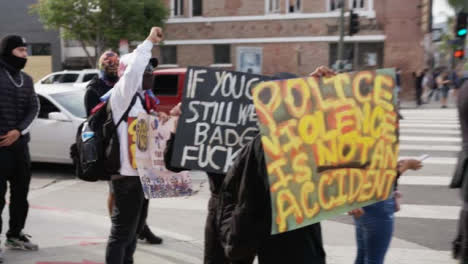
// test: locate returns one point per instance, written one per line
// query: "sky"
(440, 10)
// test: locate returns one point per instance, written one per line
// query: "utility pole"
(341, 42)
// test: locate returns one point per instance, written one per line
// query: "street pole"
(341, 42)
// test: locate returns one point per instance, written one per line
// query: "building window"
(177, 7)
(294, 6)
(46, 107)
(222, 54)
(357, 4)
(273, 6)
(40, 49)
(197, 8)
(168, 54)
(334, 4)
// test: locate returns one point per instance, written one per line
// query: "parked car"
(52, 133)
(169, 87)
(77, 79)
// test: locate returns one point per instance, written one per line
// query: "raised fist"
(155, 35)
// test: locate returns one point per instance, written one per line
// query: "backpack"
(96, 153)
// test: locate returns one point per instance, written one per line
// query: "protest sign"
(218, 119)
(150, 141)
(330, 145)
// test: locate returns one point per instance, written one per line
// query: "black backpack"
(96, 153)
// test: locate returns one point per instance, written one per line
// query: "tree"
(101, 23)
(459, 4)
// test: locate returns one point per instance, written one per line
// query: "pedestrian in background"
(443, 84)
(374, 223)
(396, 94)
(19, 107)
(419, 77)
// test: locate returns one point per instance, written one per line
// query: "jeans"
(15, 167)
(128, 218)
(374, 232)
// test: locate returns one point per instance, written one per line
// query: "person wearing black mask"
(108, 66)
(19, 107)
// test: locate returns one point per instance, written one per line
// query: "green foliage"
(459, 4)
(101, 23)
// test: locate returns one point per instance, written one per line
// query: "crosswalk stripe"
(430, 147)
(425, 180)
(435, 160)
(436, 139)
(429, 211)
(430, 131)
(430, 121)
(429, 125)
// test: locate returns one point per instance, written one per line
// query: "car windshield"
(73, 101)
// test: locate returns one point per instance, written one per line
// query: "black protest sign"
(218, 119)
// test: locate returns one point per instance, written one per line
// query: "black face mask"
(111, 77)
(16, 63)
(148, 81)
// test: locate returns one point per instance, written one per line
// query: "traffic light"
(459, 54)
(461, 25)
(353, 23)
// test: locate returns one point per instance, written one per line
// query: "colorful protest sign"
(218, 119)
(330, 145)
(150, 141)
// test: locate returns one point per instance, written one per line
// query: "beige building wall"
(38, 66)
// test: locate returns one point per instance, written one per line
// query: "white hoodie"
(129, 83)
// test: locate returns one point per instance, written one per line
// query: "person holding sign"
(374, 223)
(130, 207)
(213, 250)
(245, 213)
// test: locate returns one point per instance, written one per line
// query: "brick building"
(269, 36)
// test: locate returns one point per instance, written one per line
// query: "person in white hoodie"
(130, 207)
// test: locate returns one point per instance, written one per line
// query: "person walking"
(130, 206)
(19, 107)
(443, 84)
(419, 77)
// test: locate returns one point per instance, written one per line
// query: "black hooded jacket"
(95, 89)
(19, 106)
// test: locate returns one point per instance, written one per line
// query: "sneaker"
(21, 242)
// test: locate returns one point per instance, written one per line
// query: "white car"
(53, 132)
(77, 79)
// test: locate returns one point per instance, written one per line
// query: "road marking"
(430, 125)
(435, 160)
(52, 188)
(432, 139)
(424, 180)
(430, 131)
(431, 121)
(430, 147)
(429, 211)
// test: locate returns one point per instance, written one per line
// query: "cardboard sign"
(150, 141)
(218, 119)
(330, 145)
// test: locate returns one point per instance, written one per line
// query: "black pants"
(419, 92)
(15, 167)
(128, 217)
